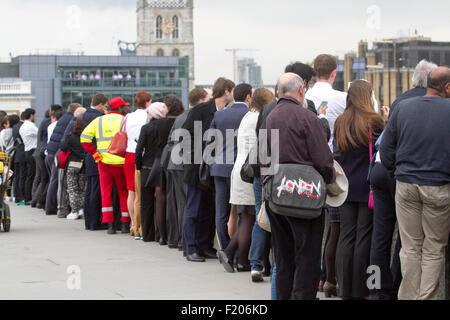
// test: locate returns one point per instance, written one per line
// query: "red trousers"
(110, 174)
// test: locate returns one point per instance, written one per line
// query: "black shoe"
(33, 204)
(28, 203)
(40, 206)
(225, 261)
(162, 242)
(125, 228)
(267, 271)
(111, 229)
(241, 268)
(184, 254)
(50, 213)
(173, 246)
(98, 228)
(208, 254)
(195, 258)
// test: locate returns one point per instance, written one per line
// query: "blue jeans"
(273, 287)
(258, 234)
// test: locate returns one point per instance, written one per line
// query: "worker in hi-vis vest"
(110, 166)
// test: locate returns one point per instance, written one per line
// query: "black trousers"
(147, 209)
(93, 204)
(223, 208)
(353, 251)
(36, 181)
(41, 189)
(30, 174)
(51, 202)
(198, 222)
(297, 246)
(384, 220)
(19, 180)
(176, 203)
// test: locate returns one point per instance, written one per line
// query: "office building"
(67, 79)
(389, 65)
(249, 72)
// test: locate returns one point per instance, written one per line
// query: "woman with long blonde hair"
(354, 131)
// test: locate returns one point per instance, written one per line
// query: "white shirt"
(28, 132)
(135, 122)
(336, 101)
(50, 129)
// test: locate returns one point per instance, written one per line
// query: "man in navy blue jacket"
(227, 120)
(200, 212)
(416, 149)
(52, 152)
(93, 199)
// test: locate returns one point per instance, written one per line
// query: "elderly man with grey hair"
(419, 81)
(297, 242)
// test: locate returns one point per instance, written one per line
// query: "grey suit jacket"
(179, 122)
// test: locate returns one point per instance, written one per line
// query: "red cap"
(117, 103)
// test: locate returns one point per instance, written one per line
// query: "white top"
(135, 122)
(28, 132)
(50, 129)
(242, 192)
(6, 140)
(337, 102)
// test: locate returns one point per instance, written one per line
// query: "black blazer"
(19, 147)
(203, 113)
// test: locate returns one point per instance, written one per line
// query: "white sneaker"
(73, 216)
(81, 213)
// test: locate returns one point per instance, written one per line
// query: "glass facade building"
(69, 79)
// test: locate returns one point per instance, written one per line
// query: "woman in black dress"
(153, 139)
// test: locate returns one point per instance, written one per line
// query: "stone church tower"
(166, 28)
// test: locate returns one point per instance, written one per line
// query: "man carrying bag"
(295, 195)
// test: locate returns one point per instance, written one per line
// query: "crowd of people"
(180, 178)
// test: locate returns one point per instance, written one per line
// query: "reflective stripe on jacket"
(103, 130)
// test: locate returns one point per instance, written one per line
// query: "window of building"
(159, 32)
(176, 53)
(160, 53)
(176, 30)
(436, 57)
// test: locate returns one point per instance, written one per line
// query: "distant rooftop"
(56, 52)
(406, 39)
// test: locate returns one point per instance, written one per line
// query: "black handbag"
(205, 178)
(247, 174)
(297, 191)
(250, 171)
(155, 176)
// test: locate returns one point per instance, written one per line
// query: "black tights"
(330, 252)
(242, 239)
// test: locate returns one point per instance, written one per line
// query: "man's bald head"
(439, 81)
(290, 84)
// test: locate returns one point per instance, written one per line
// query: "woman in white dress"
(242, 195)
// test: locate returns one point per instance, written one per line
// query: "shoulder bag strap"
(123, 125)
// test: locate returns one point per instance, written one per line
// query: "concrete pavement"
(41, 257)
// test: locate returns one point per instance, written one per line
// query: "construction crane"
(235, 63)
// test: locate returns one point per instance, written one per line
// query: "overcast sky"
(281, 31)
